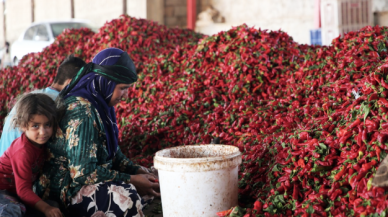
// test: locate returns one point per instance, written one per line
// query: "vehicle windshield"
(58, 28)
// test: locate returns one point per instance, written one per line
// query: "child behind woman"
(37, 117)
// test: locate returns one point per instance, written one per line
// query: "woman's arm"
(123, 164)
(84, 143)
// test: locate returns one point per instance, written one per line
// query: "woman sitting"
(86, 169)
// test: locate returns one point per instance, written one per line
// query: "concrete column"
(155, 10)
(191, 14)
(32, 11)
(72, 8)
(317, 14)
(124, 6)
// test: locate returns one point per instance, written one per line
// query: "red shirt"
(19, 167)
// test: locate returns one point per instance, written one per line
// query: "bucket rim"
(194, 160)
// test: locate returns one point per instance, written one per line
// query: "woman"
(86, 168)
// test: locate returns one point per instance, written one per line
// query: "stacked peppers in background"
(311, 121)
(142, 39)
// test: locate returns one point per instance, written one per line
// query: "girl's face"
(120, 92)
(39, 130)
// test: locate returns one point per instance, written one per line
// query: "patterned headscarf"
(96, 82)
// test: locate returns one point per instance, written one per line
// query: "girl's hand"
(146, 184)
(52, 212)
(49, 211)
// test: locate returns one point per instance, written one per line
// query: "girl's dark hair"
(35, 104)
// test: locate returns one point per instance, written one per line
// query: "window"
(59, 27)
(30, 33)
(41, 33)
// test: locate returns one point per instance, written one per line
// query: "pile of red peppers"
(311, 121)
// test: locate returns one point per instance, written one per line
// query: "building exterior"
(296, 17)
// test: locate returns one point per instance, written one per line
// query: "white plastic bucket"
(198, 180)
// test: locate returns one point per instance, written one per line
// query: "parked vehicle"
(41, 34)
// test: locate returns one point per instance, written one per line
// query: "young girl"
(36, 115)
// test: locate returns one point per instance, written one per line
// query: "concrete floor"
(153, 209)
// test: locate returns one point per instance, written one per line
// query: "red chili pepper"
(384, 125)
(382, 138)
(342, 132)
(331, 128)
(339, 174)
(316, 155)
(384, 94)
(377, 77)
(370, 125)
(365, 169)
(335, 194)
(325, 164)
(385, 85)
(344, 138)
(374, 96)
(295, 193)
(354, 124)
(258, 206)
(301, 163)
(383, 101)
(283, 178)
(364, 135)
(356, 102)
(359, 139)
(224, 213)
(378, 151)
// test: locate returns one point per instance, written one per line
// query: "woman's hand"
(151, 171)
(154, 171)
(142, 170)
(145, 184)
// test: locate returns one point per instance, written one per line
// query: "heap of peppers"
(311, 121)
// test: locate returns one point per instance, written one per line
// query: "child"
(36, 115)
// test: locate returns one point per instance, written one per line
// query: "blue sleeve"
(9, 133)
(50, 92)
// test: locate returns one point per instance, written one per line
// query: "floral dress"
(77, 172)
